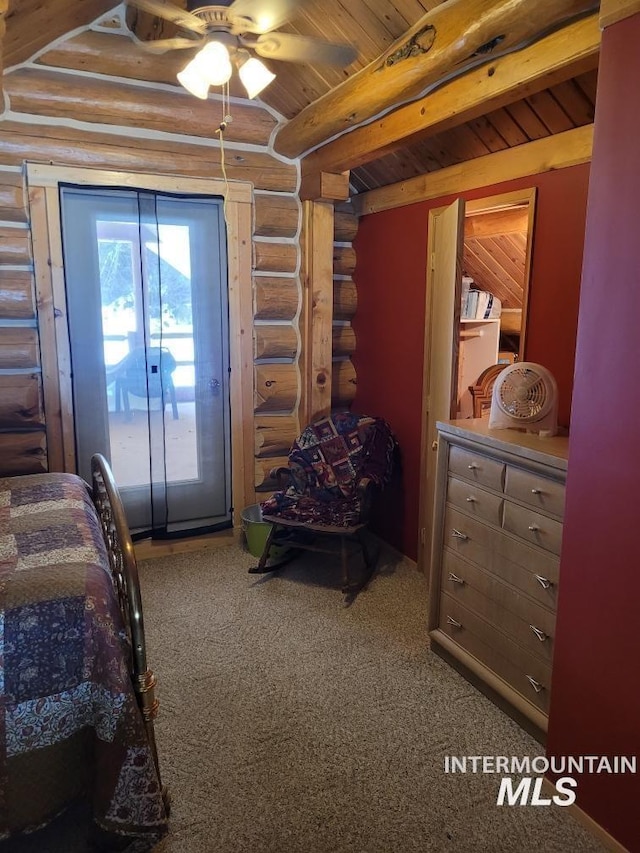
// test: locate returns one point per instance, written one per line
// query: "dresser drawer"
(529, 569)
(526, 673)
(474, 501)
(535, 572)
(477, 468)
(527, 623)
(533, 527)
(537, 491)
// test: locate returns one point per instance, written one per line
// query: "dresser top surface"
(548, 450)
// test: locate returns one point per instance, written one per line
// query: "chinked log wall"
(276, 334)
(63, 115)
(22, 436)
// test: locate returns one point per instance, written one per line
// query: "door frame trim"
(428, 432)
(43, 192)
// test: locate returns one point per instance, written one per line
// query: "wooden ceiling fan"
(240, 27)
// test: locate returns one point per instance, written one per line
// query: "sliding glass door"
(146, 281)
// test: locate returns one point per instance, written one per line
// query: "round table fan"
(525, 396)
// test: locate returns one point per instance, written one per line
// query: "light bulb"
(210, 67)
(255, 76)
(214, 61)
(193, 80)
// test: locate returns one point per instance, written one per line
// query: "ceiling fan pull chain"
(226, 112)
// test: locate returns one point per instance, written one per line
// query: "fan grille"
(524, 394)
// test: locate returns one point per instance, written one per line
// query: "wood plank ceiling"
(495, 247)
(371, 25)
(562, 107)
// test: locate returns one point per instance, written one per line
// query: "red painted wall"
(595, 702)
(390, 276)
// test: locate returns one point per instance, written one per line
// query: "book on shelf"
(488, 307)
(472, 304)
(467, 281)
(480, 305)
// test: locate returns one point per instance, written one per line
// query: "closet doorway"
(489, 239)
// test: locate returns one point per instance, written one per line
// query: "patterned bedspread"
(69, 721)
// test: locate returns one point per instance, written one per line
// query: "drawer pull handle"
(452, 621)
(539, 634)
(457, 534)
(545, 583)
(455, 578)
(534, 528)
(472, 466)
(535, 684)
(536, 491)
(471, 500)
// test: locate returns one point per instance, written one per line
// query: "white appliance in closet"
(479, 343)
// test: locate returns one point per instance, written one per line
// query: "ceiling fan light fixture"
(192, 79)
(211, 66)
(215, 63)
(255, 76)
(224, 31)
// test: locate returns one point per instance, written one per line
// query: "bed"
(77, 696)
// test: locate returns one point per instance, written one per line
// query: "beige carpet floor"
(291, 724)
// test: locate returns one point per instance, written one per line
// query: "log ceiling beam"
(33, 24)
(564, 54)
(612, 11)
(325, 186)
(543, 155)
(448, 41)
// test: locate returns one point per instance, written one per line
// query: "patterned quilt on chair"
(69, 718)
(327, 463)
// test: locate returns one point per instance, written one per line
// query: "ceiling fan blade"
(163, 45)
(170, 12)
(294, 48)
(262, 16)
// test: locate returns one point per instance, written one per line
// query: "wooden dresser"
(495, 560)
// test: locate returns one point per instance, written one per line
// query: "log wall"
(83, 104)
(22, 423)
(276, 300)
(345, 303)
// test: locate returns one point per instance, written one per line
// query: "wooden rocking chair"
(335, 467)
